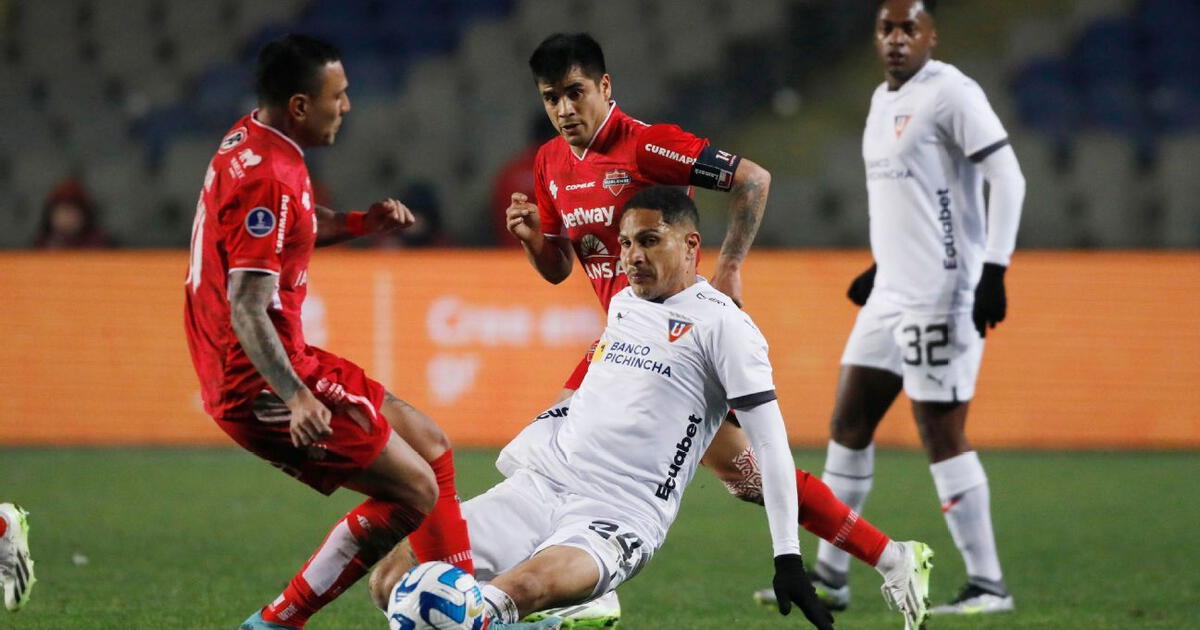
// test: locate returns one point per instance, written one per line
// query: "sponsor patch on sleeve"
(260, 222)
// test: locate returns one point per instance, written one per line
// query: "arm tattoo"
(746, 206)
(249, 294)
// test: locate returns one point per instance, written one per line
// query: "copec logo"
(454, 322)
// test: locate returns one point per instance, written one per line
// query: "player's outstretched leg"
(602, 612)
(16, 567)
(906, 581)
(549, 623)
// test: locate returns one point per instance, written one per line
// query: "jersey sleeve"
(251, 224)
(740, 360)
(671, 156)
(966, 117)
(544, 192)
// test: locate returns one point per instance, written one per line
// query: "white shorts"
(527, 513)
(937, 354)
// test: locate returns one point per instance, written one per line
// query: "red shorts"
(576, 378)
(360, 430)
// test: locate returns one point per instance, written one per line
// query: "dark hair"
(560, 52)
(290, 65)
(674, 204)
(930, 6)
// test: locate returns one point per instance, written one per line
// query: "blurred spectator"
(69, 220)
(420, 197)
(517, 176)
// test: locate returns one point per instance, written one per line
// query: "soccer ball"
(438, 596)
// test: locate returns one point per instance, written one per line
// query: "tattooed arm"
(249, 297)
(748, 201)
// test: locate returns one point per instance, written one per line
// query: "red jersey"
(582, 197)
(256, 212)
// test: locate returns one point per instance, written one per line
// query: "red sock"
(443, 536)
(352, 547)
(824, 515)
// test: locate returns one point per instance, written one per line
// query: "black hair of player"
(929, 5)
(676, 206)
(290, 65)
(560, 52)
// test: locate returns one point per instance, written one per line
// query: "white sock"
(849, 473)
(962, 487)
(891, 557)
(500, 605)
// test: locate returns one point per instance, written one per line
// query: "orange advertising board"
(1100, 349)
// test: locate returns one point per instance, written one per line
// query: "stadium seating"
(130, 96)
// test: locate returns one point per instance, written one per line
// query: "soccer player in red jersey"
(312, 414)
(583, 178)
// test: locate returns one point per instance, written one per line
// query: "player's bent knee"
(529, 590)
(401, 475)
(426, 492)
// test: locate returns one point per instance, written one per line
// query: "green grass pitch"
(198, 539)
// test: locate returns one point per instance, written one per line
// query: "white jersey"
(661, 381)
(928, 221)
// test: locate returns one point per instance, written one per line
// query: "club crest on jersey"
(616, 181)
(677, 328)
(260, 222)
(901, 123)
(235, 137)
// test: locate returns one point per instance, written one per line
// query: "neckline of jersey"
(612, 107)
(256, 121)
(925, 69)
(692, 288)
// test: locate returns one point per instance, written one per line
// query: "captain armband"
(714, 169)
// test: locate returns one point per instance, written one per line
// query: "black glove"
(990, 301)
(860, 289)
(792, 585)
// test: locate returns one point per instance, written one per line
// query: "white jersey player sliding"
(590, 495)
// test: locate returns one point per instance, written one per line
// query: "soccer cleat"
(545, 623)
(16, 567)
(975, 600)
(602, 612)
(256, 622)
(906, 587)
(835, 598)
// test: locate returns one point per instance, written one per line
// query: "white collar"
(612, 106)
(254, 120)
